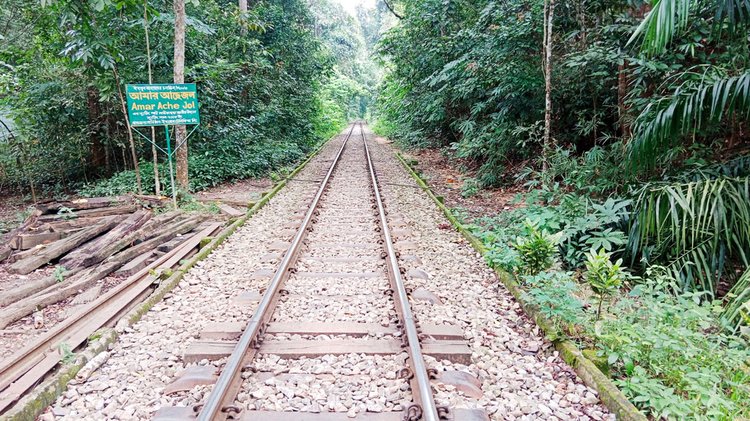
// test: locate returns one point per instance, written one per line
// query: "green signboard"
(162, 104)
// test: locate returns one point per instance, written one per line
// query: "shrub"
(537, 250)
(603, 276)
(554, 294)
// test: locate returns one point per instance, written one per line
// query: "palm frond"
(669, 17)
(686, 112)
(666, 18)
(739, 301)
(694, 228)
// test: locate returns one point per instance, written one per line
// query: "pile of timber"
(87, 240)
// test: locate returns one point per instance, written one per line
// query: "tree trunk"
(179, 77)
(133, 152)
(549, 11)
(96, 148)
(243, 15)
(622, 92)
(155, 156)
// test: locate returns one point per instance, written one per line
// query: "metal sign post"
(165, 105)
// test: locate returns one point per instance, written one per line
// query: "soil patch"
(12, 209)
(239, 192)
(442, 174)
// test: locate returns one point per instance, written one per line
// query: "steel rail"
(220, 401)
(428, 408)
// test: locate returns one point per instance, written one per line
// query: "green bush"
(554, 294)
(537, 250)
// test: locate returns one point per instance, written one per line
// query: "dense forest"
(273, 82)
(624, 125)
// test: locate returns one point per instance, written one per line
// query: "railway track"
(344, 250)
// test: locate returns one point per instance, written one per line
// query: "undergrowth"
(672, 351)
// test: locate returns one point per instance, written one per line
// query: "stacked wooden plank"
(86, 240)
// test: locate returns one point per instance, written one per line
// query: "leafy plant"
(59, 273)
(604, 277)
(699, 230)
(470, 187)
(537, 250)
(554, 294)
(671, 356)
(66, 212)
(67, 354)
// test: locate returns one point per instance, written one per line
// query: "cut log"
(85, 204)
(8, 237)
(30, 288)
(165, 233)
(108, 244)
(50, 291)
(69, 224)
(90, 213)
(135, 265)
(152, 201)
(27, 241)
(44, 255)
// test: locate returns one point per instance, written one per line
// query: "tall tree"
(179, 77)
(549, 13)
(155, 156)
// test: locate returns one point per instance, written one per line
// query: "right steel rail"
(424, 407)
(220, 402)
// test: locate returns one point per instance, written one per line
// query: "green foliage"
(673, 359)
(260, 92)
(470, 187)
(554, 294)
(603, 276)
(700, 230)
(67, 356)
(59, 273)
(737, 310)
(692, 107)
(537, 250)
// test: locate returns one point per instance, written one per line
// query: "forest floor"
(12, 209)
(444, 177)
(241, 191)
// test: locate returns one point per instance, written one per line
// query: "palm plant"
(692, 106)
(737, 310)
(701, 228)
(700, 231)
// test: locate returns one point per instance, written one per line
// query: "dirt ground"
(237, 192)
(443, 176)
(11, 211)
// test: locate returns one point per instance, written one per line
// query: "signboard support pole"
(171, 171)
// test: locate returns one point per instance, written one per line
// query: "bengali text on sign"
(162, 104)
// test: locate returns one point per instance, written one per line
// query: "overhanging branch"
(388, 5)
